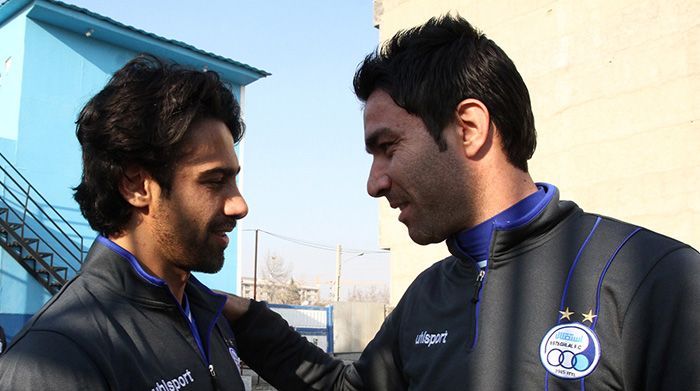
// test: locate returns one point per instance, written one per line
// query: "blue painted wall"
(54, 72)
(11, 61)
(18, 295)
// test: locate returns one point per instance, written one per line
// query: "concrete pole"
(255, 268)
(338, 256)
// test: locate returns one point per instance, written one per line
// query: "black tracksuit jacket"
(639, 291)
(110, 329)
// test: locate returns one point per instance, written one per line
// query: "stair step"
(47, 279)
(12, 226)
(57, 269)
(28, 241)
(41, 254)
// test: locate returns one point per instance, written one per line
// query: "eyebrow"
(372, 140)
(225, 171)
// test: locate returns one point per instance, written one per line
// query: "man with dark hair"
(159, 185)
(537, 293)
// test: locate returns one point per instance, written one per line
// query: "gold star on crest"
(566, 314)
(589, 316)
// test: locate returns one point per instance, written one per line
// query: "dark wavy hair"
(141, 118)
(429, 69)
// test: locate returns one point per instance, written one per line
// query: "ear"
(136, 186)
(474, 122)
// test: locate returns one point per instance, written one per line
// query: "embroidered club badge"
(570, 351)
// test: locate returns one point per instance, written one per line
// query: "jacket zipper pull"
(214, 381)
(477, 286)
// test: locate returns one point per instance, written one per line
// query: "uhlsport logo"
(425, 338)
(570, 351)
(174, 384)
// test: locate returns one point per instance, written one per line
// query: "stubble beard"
(452, 202)
(189, 256)
(181, 247)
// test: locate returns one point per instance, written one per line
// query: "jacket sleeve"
(44, 360)
(660, 329)
(289, 362)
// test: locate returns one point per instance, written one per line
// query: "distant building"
(270, 291)
(53, 58)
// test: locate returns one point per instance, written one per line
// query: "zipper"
(200, 346)
(477, 286)
(212, 374)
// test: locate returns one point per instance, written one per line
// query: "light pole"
(338, 268)
(255, 267)
(338, 264)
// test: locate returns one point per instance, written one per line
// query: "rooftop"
(93, 25)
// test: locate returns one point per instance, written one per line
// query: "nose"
(378, 182)
(236, 206)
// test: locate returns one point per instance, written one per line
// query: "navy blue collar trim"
(474, 243)
(135, 264)
(549, 192)
(184, 307)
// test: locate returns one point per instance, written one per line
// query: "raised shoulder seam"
(34, 319)
(66, 337)
(85, 351)
(677, 247)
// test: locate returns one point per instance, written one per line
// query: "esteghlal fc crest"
(570, 351)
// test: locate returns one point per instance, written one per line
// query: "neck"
(501, 190)
(146, 254)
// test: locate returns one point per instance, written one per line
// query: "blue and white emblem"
(570, 351)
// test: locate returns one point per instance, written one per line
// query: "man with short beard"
(159, 186)
(538, 294)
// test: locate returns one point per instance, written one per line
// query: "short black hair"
(141, 118)
(427, 70)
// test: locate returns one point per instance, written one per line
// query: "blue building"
(53, 58)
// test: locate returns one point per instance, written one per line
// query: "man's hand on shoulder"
(235, 306)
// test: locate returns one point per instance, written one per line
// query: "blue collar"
(135, 264)
(476, 241)
(185, 309)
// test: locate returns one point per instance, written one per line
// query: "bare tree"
(373, 294)
(280, 286)
(276, 269)
(290, 293)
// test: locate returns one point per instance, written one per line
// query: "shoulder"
(431, 276)
(74, 315)
(645, 247)
(672, 266)
(426, 284)
(647, 265)
(61, 311)
(47, 360)
(624, 241)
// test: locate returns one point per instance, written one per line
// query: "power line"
(319, 246)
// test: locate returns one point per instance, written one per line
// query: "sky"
(304, 166)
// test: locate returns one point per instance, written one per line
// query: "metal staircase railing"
(34, 233)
